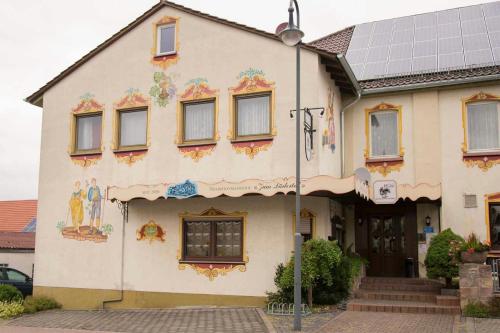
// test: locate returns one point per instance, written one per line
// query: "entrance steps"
(404, 296)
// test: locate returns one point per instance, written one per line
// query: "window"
(15, 276)
(88, 133)
(384, 133)
(166, 39)
(494, 221)
(253, 115)
(483, 125)
(198, 121)
(132, 128)
(213, 240)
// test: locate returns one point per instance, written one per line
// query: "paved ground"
(206, 320)
(241, 320)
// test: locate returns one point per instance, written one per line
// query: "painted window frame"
(213, 215)
(158, 38)
(384, 107)
(234, 116)
(181, 140)
(117, 132)
(74, 133)
(305, 213)
(477, 98)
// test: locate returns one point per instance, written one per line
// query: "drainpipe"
(124, 209)
(358, 92)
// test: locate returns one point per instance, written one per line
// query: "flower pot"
(474, 257)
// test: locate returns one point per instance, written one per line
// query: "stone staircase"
(379, 294)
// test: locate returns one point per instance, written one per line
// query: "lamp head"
(291, 35)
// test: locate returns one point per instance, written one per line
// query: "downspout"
(124, 209)
(358, 91)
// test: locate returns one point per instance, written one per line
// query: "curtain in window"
(384, 133)
(253, 115)
(167, 39)
(133, 128)
(482, 125)
(198, 121)
(88, 133)
(495, 225)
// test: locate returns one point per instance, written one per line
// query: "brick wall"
(476, 283)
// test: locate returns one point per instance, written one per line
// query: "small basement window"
(166, 39)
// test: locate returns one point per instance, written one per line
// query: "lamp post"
(292, 36)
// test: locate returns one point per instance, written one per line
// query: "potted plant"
(473, 251)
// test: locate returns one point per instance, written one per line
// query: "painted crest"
(151, 231)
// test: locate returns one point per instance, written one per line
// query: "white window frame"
(158, 39)
(398, 148)
(481, 150)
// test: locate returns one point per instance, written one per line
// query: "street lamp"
(292, 36)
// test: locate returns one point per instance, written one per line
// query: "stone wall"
(476, 283)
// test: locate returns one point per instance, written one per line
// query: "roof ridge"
(332, 34)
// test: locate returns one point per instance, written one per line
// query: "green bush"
(440, 261)
(282, 295)
(10, 309)
(477, 310)
(39, 303)
(10, 294)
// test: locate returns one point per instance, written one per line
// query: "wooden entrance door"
(386, 235)
(386, 244)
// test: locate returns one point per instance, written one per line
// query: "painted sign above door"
(385, 192)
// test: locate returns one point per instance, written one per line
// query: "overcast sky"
(40, 38)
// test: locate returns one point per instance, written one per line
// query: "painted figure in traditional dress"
(76, 206)
(331, 119)
(94, 197)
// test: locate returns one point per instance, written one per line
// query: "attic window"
(165, 39)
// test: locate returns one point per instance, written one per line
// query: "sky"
(41, 38)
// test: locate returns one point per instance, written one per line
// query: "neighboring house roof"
(444, 47)
(17, 240)
(37, 97)
(17, 215)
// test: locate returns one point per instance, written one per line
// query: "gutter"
(358, 91)
(434, 84)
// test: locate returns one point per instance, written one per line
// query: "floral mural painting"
(198, 89)
(329, 133)
(163, 89)
(87, 105)
(84, 218)
(252, 80)
(151, 232)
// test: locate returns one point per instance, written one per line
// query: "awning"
(282, 185)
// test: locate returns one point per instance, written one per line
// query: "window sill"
(253, 138)
(130, 149)
(211, 262)
(163, 56)
(482, 153)
(197, 144)
(86, 153)
(385, 159)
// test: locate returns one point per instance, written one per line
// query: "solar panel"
(451, 61)
(423, 49)
(449, 30)
(425, 33)
(401, 51)
(478, 57)
(443, 40)
(424, 64)
(476, 42)
(470, 13)
(473, 27)
(450, 45)
(448, 16)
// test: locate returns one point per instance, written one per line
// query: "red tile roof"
(15, 215)
(337, 42)
(17, 240)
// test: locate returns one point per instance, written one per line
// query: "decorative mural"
(384, 167)
(182, 191)
(329, 132)
(163, 89)
(151, 232)
(87, 104)
(482, 160)
(165, 61)
(251, 81)
(85, 215)
(212, 271)
(132, 99)
(196, 89)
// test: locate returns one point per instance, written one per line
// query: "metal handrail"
(495, 274)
